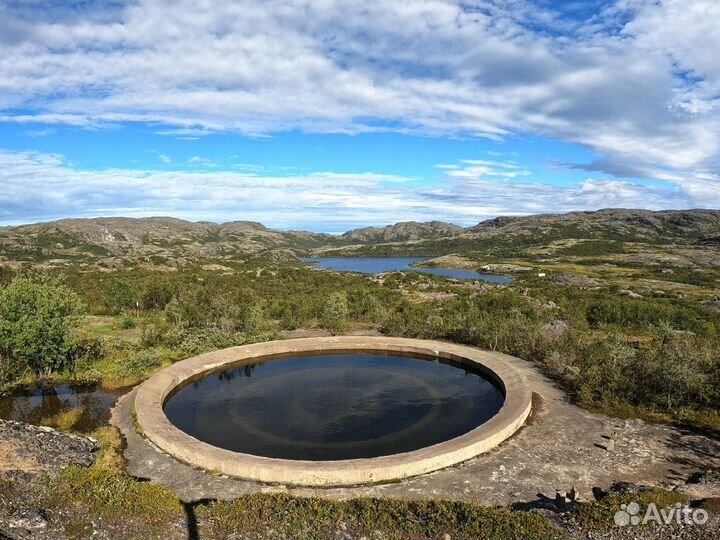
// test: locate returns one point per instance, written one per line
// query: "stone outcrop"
(36, 449)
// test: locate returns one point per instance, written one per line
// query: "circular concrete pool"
(333, 411)
(334, 407)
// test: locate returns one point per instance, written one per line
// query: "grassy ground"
(105, 497)
(104, 501)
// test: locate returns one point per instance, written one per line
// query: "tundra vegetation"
(627, 322)
(657, 358)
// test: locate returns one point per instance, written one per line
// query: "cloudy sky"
(331, 114)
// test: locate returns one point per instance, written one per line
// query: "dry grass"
(12, 460)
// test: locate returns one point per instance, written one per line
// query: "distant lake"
(377, 265)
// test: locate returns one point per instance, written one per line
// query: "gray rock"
(28, 519)
(629, 293)
(556, 328)
(39, 449)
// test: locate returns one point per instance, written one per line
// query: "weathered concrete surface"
(560, 448)
(156, 427)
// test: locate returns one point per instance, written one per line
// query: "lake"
(377, 265)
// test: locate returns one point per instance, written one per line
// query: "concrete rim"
(156, 427)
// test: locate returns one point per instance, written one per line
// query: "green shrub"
(37, 318)
(11, 369)
(638, 313)
(127, 322)
(157, 293)
(365, 306)
(153, 331)
(194, 341)
(335, 313)
(122, 295)
(138, 364)
(255, 322)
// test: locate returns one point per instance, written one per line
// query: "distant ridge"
(403, 232)
(622, 221)
(175, 241)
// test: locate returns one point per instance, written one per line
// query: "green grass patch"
(118, 499)
(261, 515)
(105, 492)
(585, 248)
(64, 420)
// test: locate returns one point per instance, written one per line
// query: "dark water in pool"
(34, 406)
(377, 265)
(332, 407)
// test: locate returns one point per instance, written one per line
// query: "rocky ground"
(31, 452)
(27, 454)
(35, 449)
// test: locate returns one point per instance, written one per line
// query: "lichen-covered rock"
(556, 328)
(35, 449)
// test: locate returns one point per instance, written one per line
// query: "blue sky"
(146, 147)
(337, 114)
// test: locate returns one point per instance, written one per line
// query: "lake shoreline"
(381, 265)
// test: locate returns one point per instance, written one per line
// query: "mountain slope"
(147, 237)
(644, 224)
(164, 240)
(408, 231)
(504, 235)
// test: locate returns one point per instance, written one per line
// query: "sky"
(326, 115)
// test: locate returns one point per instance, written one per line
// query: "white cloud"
(478, 168)
(39, 187)
(200, 161)
(638, 84)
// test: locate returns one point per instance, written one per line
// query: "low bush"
(335, 313)
(137, 364)
(126, 322)
(193, 341)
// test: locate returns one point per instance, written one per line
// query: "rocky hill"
(407, 231)
(504, 235)
(635, 224)
(174, 242)
(156, 239)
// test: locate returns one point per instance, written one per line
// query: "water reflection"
(34, 406)
(242, 371)
(337, 406)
